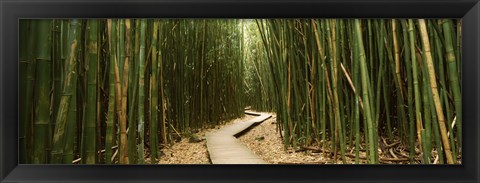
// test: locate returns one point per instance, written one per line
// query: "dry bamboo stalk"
(436, 98)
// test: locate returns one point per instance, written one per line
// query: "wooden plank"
(253, 113)
(224, 148)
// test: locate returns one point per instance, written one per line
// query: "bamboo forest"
(307, 91)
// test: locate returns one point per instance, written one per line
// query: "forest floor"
(264, 140)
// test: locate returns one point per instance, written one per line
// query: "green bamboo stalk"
(102, 104)
(355, 76)
(73, 118)
(398, 81)
(68, 149)
(154, 104)
(74, 114)
(416, 86)
(381, 54)
(24, 111)
(57, 69)
(202, 61)
(133, 87)
(436, 133)
(411, 115)
(424, 143)
(69, 86)
(29, 91)
(162, 97)
(454, 79)
(366, 100)
(443, 93)
(427, 148)
(141, 92)
(92, 60)
(42, 90)
(308, 104)
(112, 36)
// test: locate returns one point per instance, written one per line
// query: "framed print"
(257, 91)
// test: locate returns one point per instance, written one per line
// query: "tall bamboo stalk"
(454, 78)
(433, 85)
(42, 90)
(122, 94)
(154, 104)
(141, 92)
(91, 109)
(133, 85)
(24, 89)
(112, 36)
(411, 114)
(29, 99)
(364, 72)
(69, 86)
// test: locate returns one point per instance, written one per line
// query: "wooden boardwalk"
(224, 148)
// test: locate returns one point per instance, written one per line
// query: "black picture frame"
(11, 11)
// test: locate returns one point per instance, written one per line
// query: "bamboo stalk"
(91, 103)
(67, 93)
(154, 104)
(25, 85)
(133, 88)
(433, 85)
(454, 78)
(42, 90)
(122, 88)
(111, 27)
(365, 89)
(141, 92)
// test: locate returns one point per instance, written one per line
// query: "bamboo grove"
(348, 87)
(118, 90)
